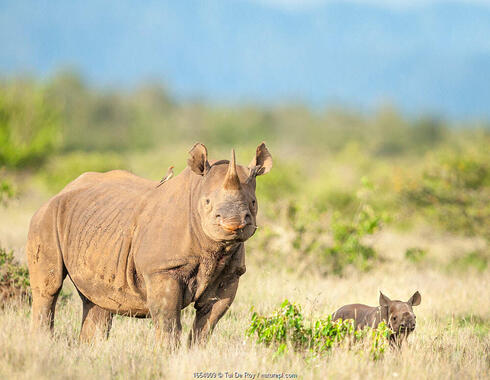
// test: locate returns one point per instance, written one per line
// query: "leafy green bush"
(29, 125)
(305, 237)
(61, 170)
(286, 329)
(415, 254)
(348, 247)
(281, 182)
(454, 191)
(479, 324)
(14, 278)
(473, 260)
(6, 191)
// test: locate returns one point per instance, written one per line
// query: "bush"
(283, 181)
(14, 278)
(415, 254)
(61, 170)
(300, 237)
(477, 260)
(29, 126)
(348, 247)
(6, 191)
(454, 191)
(286, 329)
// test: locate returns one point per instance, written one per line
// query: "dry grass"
(451, 340)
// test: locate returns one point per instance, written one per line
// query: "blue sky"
(421, 55)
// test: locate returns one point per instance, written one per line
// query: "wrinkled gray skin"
(398, 315)
(134, 248)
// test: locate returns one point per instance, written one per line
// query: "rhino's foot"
(168, 340)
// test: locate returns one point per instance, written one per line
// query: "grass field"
(355, 203)
(451, 340)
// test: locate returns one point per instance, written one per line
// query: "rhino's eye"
(253, 202)
(207, 201)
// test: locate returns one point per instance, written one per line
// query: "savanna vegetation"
(356, 203)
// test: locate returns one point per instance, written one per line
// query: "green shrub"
(415, 254)
(287, 329)
(61, 170)
(284, 181)
(473, 260)
(454, 191)
(299, 234)
(29, 125)
(340, 200)
(6, 191)
(480, 325)
(14, 278)
(348, 247)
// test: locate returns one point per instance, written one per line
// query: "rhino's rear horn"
(232, 182)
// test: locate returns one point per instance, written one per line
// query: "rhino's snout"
(234, 223)
(408, 326)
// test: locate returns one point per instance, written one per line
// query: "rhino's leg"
(43, 308)
(164, 300)
(46, 273)
(211, 307)
(95, 321)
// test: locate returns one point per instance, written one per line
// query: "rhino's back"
(116, 178)
(360, 313)
(94, 218)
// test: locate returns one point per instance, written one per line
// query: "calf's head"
(401, 318)
(227, 206)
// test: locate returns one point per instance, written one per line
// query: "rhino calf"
(398, 315)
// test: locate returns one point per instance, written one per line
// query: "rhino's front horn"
(232, 182)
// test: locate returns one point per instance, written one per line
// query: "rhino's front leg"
(211, 307)
(164, 300)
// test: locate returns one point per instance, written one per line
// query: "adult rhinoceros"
(136, 249)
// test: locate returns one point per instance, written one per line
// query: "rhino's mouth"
(406, 330)
(232, 228)
(241, 232)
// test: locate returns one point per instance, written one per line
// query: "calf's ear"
(262, 162)
(198, 160)
(415, 299)
(383, 300)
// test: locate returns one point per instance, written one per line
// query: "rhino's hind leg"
(46, 273)
(95, 321)
(43, 307)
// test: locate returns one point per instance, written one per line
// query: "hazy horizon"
(424, 56)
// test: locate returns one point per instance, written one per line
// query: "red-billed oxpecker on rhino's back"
(398, 315)
(138, 249)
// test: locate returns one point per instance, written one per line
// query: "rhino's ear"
(383, 300)
(415, 299)
(198, 160)
(261, 163)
